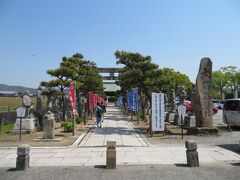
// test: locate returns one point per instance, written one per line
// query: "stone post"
(111, 155)
(192, 154)
(171, 99)
(48, 126)
(23, 157)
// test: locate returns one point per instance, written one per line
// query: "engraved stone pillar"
(111, 155)
(23, 158)
(48, 126)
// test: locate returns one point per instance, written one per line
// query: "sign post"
(21, 113)
(182, 114)
(157, 123)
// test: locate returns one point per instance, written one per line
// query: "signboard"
(134, 101)
(21, 112)
(157, 112)
(72, 97)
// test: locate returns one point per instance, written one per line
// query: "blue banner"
(120, 101)
(134, 97)
(132, 100)
(129, 99)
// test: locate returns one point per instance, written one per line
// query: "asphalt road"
(169, 172)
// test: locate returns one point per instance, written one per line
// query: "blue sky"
(35, 35)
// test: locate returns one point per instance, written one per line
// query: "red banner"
(90, 100)
(93, 99)
(72, 97)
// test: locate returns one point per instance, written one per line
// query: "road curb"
(81, 137)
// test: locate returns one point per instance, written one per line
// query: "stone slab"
(16, 132)
(56, 139)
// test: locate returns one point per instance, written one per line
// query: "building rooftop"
(110, 87)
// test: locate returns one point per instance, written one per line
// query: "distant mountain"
(22, 89)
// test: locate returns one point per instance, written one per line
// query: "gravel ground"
(225, 139)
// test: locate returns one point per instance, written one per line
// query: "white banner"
(157, 112)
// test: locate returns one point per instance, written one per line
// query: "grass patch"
(12, 103)
(7, 128)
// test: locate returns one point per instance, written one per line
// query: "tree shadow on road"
(231, 147)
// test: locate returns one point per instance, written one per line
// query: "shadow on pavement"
(100, 166)
(231, 147)
(181, 165)
(114, 130)
(12, 169)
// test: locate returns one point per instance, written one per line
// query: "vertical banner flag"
(129, 99)
(72, 97)
(134, 97)
(157, 112)
(94, 101)
(120, 101)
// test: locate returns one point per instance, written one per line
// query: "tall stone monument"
(27, 103)
(171, 99)
(39, 107)
(203, 95)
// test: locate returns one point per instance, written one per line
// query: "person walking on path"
(103, 110)
(99, 111)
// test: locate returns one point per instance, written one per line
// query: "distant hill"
(22, 89)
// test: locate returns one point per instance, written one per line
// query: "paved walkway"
(90, 149)
(114, 128)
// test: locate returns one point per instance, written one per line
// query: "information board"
(157, 112)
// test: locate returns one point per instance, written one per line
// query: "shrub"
(68, 126)
(79, 120)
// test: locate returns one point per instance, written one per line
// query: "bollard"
(192, 154)
(23, 157)
(111, 155)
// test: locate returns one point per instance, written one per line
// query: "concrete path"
(114, 128)
(72, 156)
(132, 149)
